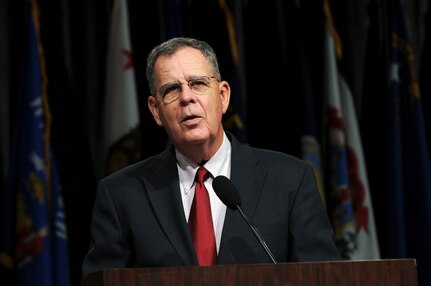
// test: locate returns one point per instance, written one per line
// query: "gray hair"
(169, 47)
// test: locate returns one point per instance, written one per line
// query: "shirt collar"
(187, 169)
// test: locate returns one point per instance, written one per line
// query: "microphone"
(229, 195)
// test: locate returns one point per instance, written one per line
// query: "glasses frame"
(162, 90)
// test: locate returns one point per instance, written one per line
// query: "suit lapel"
(247, 178)
(165, 197)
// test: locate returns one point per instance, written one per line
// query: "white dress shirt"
(219, 164)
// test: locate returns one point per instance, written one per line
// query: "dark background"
(281, 58)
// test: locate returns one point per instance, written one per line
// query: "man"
(141, 212)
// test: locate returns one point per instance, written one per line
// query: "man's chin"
(195, 137)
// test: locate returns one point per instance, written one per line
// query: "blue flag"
(310, 137)
(35, 234)
(409, 183)
(234, 119)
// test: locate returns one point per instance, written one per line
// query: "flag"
(409, 177)
(121, 110)
(234, 119)
(307, 76)
(352, 211)
(34, 241)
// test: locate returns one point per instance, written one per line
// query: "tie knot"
(202, 174)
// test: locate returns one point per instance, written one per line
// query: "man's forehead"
(182, 65)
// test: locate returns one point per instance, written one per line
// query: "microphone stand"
(257, 234)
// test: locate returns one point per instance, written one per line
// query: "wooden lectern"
(385, 272)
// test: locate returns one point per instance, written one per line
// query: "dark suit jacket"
(138, 218)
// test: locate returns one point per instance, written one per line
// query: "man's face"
(191, 118)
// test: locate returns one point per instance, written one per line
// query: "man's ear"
(153, 106)
(225, 95)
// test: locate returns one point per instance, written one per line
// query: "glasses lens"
(170, 92)
(199, 85)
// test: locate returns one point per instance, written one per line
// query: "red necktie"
(201, 223)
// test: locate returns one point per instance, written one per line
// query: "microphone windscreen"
(226, 192)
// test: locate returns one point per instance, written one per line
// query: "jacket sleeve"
(108, 244)
(310, 230)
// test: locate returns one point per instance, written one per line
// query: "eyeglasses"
(198, 85)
